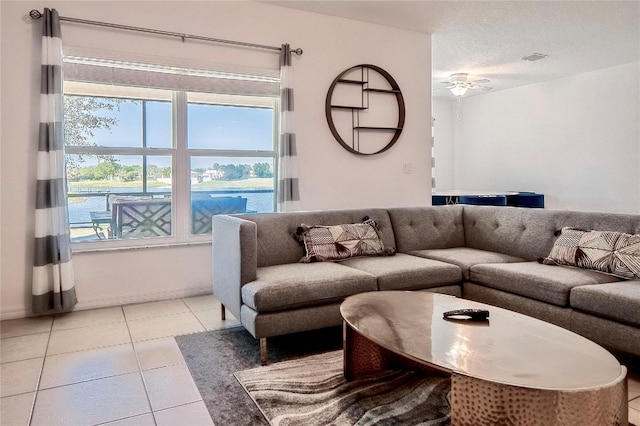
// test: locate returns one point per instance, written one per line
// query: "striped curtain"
(53, 287)
(288, 191)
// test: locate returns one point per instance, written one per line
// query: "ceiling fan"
(460, 83)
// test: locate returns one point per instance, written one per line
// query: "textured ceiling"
(487, 39)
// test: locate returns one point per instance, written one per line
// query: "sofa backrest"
(276, 244)
(530, 233)
(421, 228)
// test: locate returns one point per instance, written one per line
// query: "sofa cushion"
(337, 242)
(611, 252)
(546, 283)
(275, 242)
(295, 285)
(420, 228)
(613, 335)
(618, 301)
(530, 233)
(466, 257)
(405, 272)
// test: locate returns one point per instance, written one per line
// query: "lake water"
(79, 207)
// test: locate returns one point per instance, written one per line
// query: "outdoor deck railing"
(127, 214)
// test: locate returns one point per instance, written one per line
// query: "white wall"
(444, 114)
(575, 139)
(330, 176)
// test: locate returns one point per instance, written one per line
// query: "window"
(153, 164)
(230, 143)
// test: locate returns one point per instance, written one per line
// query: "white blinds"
(94, 70)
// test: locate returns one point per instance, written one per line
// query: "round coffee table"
(509, 370)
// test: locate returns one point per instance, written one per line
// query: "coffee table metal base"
(477, 402)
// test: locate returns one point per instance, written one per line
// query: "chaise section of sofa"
(548, 292)
(608, 314)
(536, 281)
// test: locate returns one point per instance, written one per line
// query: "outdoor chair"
(206, 206)
(141, 218)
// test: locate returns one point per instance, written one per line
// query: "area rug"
(312, 391)
(214, 356)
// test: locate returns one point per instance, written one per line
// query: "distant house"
(210, 175)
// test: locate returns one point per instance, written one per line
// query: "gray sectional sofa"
(483, 253)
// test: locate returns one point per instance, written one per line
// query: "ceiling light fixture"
(459, 89)
(459, 84)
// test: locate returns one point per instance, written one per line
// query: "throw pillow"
(611, 252)
(338, 242)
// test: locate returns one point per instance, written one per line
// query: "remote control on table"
(467, 314)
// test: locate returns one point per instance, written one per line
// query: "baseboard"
(14, 312)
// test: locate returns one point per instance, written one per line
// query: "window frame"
(180, 177)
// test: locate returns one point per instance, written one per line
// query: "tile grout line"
(183, 362)
(206, 329)
(196, 317)
(44, 360)
(144, 383)
(156, 316)
(182, 356)
(93, 379)
(124, 418)
(86, 326)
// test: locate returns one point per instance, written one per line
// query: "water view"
(93, 215)
(81, 204)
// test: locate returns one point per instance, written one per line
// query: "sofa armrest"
(234, 251)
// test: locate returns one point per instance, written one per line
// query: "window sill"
(142, 245)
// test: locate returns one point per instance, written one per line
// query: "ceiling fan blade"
(483, 80)
(483, 88)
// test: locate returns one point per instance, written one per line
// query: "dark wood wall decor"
(361, 105)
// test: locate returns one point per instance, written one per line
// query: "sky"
(209, 127)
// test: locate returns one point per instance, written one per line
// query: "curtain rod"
(35, 15)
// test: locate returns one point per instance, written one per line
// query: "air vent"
(535, 57)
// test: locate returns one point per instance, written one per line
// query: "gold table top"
(510, 348)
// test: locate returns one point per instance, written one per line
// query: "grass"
(251, 183)
(136, 184)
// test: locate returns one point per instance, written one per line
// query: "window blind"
(96, 70)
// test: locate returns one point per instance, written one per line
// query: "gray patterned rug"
(312, 391)
(213, 357)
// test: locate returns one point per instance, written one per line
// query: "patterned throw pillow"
(611, 252)
(338, 242)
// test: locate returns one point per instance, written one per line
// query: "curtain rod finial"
(35, 14)
(297, 51)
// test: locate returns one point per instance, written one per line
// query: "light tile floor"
(110, 366)
(118, 366)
